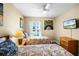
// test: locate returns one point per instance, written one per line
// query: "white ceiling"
(36, 9)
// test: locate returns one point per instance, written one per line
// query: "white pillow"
(26, 35)
(2, 39)
(14, 39)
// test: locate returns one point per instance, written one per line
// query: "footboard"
(38, 41)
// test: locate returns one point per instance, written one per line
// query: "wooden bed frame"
(40, 41)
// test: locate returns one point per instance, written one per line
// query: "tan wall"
(48, 33)
(58, 22)
(11, 23)
(11, 20)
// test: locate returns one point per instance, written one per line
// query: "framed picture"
(48, 25)
(1, 14)
(21, 23)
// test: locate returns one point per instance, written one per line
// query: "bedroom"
(16, 18)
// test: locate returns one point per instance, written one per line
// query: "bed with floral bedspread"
(42, 50)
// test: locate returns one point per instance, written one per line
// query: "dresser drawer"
(69, 44)
(64, 46)
(63, 42)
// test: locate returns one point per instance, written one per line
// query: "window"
(35, 28)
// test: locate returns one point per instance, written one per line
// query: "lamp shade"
(19, 34)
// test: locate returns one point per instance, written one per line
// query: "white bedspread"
(37, 37)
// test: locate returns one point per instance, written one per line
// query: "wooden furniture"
(33, 40)
(38, 41)
(69, 44)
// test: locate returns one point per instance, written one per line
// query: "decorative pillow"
(26, 35)
(8, 48)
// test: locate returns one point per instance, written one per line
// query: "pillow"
(26, 35)
(14, 39)
(8, 48)
(2, 39)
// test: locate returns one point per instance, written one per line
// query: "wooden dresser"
(69, 44)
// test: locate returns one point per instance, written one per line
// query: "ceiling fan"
(46, 7)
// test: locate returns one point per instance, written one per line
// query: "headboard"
(6, 36)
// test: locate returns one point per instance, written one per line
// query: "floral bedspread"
(43, 50)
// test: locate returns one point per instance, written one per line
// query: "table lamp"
(20, 36)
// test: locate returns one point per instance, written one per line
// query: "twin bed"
(33, 50)
(42, 50)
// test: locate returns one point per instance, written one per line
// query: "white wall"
(48, 33)
(58, 22)
(11, 20)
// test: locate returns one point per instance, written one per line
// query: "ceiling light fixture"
(45, 11)
(46, 7)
